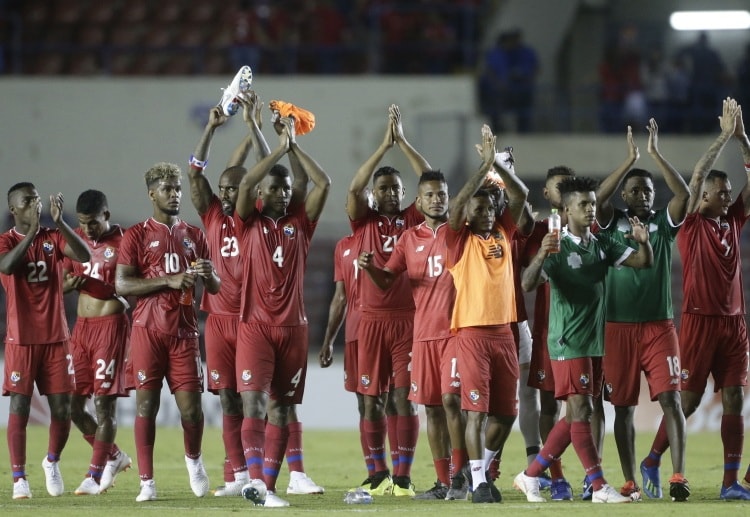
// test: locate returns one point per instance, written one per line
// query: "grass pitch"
(333, 460)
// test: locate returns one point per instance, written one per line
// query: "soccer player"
(540, 368)
(345, 303)
(216, 213)
(159, 263)
(36, 339)
(385, 331)
(272, 336)
(421, 253)
(100, 341)
(713, 334)
(479, 260)
(639, 334)
(576, 328)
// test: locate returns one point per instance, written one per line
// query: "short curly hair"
(162, 171)
(575, 184)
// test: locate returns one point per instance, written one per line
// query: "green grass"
(333, 460)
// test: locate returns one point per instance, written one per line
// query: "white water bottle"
(555, 226)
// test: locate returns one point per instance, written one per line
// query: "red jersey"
(272, 293)
(421, 252)
(379, 235)
(157, 250)
(346, 269)
(711, 263)
(35, 313)
(103, 263)
(541, 300)
(222, 237)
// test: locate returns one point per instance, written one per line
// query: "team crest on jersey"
(289, 230)
(365, 380)
(474, 395)
(609, 387)
(584, 379)
(400, 222)
(48, 247)
(414, 387)
(188, 243)
(684, 374)
(15, 377)
(141, 375)
(246, 376)
(109, 252)
(215, 375)
(540, 375)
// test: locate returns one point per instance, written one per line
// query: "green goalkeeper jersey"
(639, 295)
(576, 275)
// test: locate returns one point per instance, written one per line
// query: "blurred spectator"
(655, 77)
(743, 82)
(493, 84)
(438, 39)
(523, 67)
(248, 24)
(678, 91)
(321, 37)
(622, 100)
(707, 84)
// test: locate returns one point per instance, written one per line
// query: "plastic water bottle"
(555, 226)
(186, 295)
(358, 496)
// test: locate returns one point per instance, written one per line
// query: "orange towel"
(304, 121)
(493, 180)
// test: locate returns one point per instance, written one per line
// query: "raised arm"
(316, 199)
(727, 121)
(336, 313)
(532, 275)
(200, 188)
(457, 212)
(248, 190)
(75, 247)
(251, 114)
(515, 190)
(417, 161)
(741, 136)
(680, 192)
(356, 198)
(607, 188)
(301, 179)
(643, 257)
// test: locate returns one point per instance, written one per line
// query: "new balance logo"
(153, 244)
(419, 248)
(495, 251)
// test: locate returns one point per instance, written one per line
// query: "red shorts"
(50, 366)
(541, 376)
(155, 356)
(272, 360)
(99, 346)
(580, 376)
(716, 345)
(384, 354)
(488, 366)
(350, 366)
(434, 371)
(630, 348)
(221, 350)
